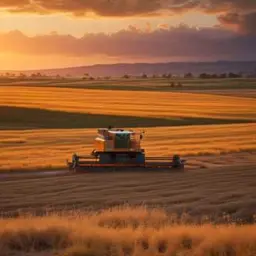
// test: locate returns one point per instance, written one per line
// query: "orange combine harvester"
(120, 149)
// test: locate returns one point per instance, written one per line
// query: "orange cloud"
(164, 26)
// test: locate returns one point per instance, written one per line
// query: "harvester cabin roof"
(114, 131)
(121, 132)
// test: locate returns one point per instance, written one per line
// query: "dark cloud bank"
(240, 14)
(181, 43)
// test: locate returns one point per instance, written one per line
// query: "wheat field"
(191, 213)
(170, 213)
(28, 149)
(48, 149)
(130, 103)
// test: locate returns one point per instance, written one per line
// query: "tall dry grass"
(127, 231)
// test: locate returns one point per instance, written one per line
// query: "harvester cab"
(116, 146)
(120, 148)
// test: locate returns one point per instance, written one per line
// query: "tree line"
(89, 77)
(190, 76)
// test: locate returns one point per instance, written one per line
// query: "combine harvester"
(118, 149)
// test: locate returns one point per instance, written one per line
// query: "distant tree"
(172, 84)
(126, 76)
(22, 75)
(223, 75)
(144, 76)
(36, 75)
(188, 75)
(91, 78)
(86, 76)
(167, 75)
(233, 75)
(205, 76)
(202, 75)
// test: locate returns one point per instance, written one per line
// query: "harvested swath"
(207, 192)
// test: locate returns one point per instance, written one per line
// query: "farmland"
(212, 125)
(39, 121)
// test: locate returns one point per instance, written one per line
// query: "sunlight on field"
(130, 232)
(50, 148)
(146, 104)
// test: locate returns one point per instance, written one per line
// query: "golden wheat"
(130, 232)
(150, 104)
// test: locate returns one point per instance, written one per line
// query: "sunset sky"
(61, 33)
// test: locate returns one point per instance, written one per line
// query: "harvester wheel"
(177, 163)
(74, 164)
